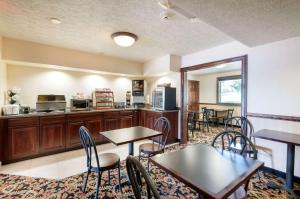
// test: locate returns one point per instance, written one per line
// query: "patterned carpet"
(169, 187)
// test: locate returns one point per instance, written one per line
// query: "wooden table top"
(211, 172)
(127, 135)
(278, 136)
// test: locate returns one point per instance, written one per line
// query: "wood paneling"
(72, 137)
(52, 137)
(126, 121)
(111, 123)
(274, 117)
(95, 127)
(23, 142)
(193, 95)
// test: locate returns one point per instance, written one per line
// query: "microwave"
(164, 98)
(81, 104)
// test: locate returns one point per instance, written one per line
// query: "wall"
(172, 77)
(273, 84)
(2, 78)
(208, 90)
(24, 51)
(162, 65)
(34, 81)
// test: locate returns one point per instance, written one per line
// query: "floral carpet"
(27, 187)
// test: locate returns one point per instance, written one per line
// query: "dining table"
(129, 136)
(291, 140)
(212, 172)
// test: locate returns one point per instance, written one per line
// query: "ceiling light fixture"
(124, 39)
(55, 21)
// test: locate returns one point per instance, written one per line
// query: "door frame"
(183, 82)
(198, 90)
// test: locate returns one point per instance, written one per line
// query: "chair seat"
(108, 159)
(149, 148)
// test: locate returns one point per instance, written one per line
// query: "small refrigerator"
(164, 98)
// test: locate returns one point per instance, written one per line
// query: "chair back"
(230, 113)
(191, 117)
(136, 172)
(162, 124)
(241, 124)
(207, 114)
(89, 146)
(227, 139)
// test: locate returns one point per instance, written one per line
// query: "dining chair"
(228, 115)
(136, 172)
(157, 146)
(241, 124)
(192, 122)
(227, 138)
(207, 116)
(107, 161)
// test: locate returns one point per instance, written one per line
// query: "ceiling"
(251, 22)
(228, 67)
(87, 25)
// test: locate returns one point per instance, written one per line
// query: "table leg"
(290, 162)
(131, 148)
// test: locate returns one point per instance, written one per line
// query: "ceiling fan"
(168, 6)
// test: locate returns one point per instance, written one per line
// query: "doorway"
(226, 91)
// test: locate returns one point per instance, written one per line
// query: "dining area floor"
(36, 178)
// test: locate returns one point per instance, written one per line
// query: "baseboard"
(278, 173)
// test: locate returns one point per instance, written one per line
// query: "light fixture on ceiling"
(124, 39)
(221, 66)
(55, 20)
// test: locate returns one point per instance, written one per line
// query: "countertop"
(68, 112)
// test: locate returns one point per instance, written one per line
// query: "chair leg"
(148, 164)
(139, 155)
(98, 184)
(119, 176)
(85, 180)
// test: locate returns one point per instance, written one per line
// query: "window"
(229, 90)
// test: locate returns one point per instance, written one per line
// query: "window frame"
(218, 88)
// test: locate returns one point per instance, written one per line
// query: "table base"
(131, 148)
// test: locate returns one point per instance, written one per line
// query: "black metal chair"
(207, 115)
(157, 146)
(108, 160)
(192, 122)
(226, 139)
(136, 172)
(241, 124)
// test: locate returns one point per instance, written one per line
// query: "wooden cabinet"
(52, 134)
(92, 121)
(32, 136)
(23, 138)
(111, 120)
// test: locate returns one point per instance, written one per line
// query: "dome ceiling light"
(124, 39)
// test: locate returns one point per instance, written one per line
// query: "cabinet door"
(23, 142)
(95, 127)
(126, 121)
(73, 138)
(52, 137)
(111, 124)
(137, 118)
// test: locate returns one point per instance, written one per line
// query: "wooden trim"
(244, 74)
(274, 117)
(215, 104)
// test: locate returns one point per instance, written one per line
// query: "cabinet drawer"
(52, 119)
(126, 113)
(24, 121)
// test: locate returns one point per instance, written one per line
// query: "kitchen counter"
(68, 111)
(33, 135)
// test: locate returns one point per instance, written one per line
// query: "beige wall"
(273, 84)
(172, 77)
(34, 81)
(24, 51)
(2, 78)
